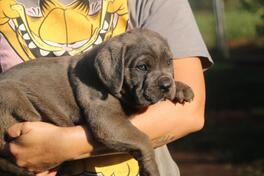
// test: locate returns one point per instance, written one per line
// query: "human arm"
(162, 122)
(167, 121)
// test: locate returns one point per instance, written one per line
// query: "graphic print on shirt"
(55, 29)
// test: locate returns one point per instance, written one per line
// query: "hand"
(47, 173)
(38, 146)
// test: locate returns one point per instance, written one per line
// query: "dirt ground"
(204, 164)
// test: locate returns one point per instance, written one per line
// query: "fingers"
(17, 130)
(14, 132)
(47, 173)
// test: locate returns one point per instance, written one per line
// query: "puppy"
(103, 88)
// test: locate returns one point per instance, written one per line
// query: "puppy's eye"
(142, 67)
(170, 61)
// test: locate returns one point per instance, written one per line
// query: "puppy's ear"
(109, 65)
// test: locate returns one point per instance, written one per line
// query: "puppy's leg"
(116, 132)
(184, 93)
(14, 107)
(110, 126)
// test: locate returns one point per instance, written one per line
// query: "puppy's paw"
(184, 93)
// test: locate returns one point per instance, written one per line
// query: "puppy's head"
(137, 67)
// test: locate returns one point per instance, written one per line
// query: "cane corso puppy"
(103, 88)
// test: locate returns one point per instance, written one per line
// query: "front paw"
(184, 93)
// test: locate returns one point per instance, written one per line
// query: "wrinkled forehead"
(146, 41)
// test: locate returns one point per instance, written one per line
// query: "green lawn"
(239, 25)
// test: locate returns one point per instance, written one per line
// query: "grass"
(239, 25)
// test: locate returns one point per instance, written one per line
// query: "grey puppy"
(103, 88)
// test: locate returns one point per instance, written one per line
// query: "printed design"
(125, 168)
(55, 29)
(107, 165)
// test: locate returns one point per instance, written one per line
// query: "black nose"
(165, 84)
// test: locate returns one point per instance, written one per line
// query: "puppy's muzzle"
(167, 87)
(165, 84)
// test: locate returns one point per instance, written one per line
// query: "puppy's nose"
(165, 84)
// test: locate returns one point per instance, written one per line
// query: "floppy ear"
(109, 65)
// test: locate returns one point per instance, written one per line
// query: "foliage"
(241, 24)
(253, 5)
(243, 21)
(257, 7)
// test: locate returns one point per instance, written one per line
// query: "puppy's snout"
(165, 84)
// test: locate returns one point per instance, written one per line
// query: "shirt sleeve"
(174, 20)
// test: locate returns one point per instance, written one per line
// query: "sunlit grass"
(239, 25)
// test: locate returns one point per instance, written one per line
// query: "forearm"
(172, 123)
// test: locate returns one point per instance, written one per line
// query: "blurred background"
(232, 141)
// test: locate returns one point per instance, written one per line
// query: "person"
(33, 29)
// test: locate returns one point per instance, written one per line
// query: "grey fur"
(103, 88)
